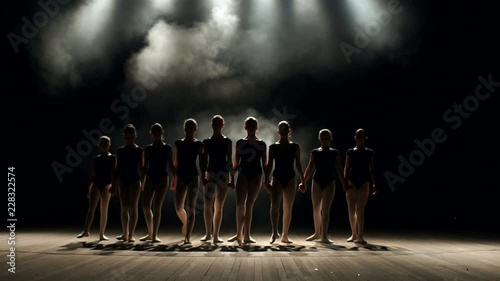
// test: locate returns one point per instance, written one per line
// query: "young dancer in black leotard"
(157, 165)
(186, 180)
(217, 167)
(285, 153)
(101, 179)
(359, 169)
(130, 160)
(250, 158)
(325, 161)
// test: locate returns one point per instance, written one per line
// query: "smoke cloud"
(212, 57)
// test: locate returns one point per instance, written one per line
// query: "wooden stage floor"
(391, 255)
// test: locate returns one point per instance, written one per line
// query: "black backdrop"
(455, 187)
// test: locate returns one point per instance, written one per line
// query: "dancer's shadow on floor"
(357, 247)
(371, 247)
(182, 247)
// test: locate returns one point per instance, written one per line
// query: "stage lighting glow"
(92, 19)
(310, 16)
(223, 16)
(162, 5)
(264, 13)
(363, 10)
(188, 54)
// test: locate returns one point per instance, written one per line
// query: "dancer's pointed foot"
(234, 238)
(218, 240)
(83, 234)
(156, 240)
(325, 240)
(273, 238)
(249, 239)
(352, 238)
(186, 241)
(285, 239)
(121, 237)
(146, 238)
(131, 239)
(206, 238)
(360, 240)
(312, 237)
(103, 238)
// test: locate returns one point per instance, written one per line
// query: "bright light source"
(92, 18)
(363, 10)
(162, 5)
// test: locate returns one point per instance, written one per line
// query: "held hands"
(375, 190)
(302, 187)
(269, 186)
(231, 183)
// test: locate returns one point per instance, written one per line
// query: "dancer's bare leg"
(351, 197)
(220, 198)
(276, 195)
(147, 200)
(327, 198)
(125, 209)
(316, 196)
(93, 200)
(363, 193)
(192, 193)
(208, 207)
(241, 190)
(179, 198)
(254, 187)
(288, 197)
(160, 194)
(135, 193)
(105, 197)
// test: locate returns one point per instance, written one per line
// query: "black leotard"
(360, 165)
(104, 166)
(217, 154)
(250, 157)
(129, 159)
(325, 161)
(186, 159)
(157, 157)
(284, 156)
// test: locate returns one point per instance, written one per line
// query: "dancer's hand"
(231, 184)
(375, 190)
(269, 186)
(204, 180)
(172, 185)
(88, 194)
(302, 187)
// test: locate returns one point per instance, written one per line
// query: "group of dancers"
(134, 170)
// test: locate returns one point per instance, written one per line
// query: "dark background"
(455, 188)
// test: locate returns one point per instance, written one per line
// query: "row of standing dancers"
(135, 170)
